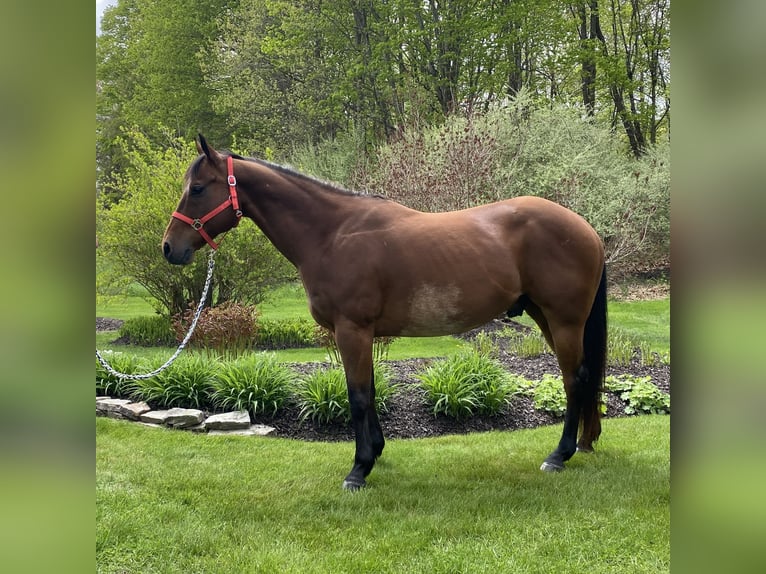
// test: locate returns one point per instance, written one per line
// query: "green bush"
(547, 394)
(129, 231)
(550, 151)
(465, 384)
(256, 383)
(286, 333)
(640, 394)
(323, 397)
(149, 331)
(107, 383)
(188, 383)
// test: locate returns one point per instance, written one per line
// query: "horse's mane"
(290, 171)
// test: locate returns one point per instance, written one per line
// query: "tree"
(129, 233)
(149, 75)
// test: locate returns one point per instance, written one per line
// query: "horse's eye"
(196, 189)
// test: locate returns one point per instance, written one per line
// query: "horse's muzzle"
(176, 258)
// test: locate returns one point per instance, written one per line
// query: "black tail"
(594, 361)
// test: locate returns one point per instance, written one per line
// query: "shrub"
(229, 328)
(323, 397)
(247, 264)
(547, 394)
(107, 383)
(188, 382)
(286, 333)
(256, 383)
(640, 394)
(465, 384)
(149, 331)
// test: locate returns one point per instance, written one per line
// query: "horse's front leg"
(355, 346)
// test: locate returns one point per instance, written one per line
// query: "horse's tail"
(594, 361)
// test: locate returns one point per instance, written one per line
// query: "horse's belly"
(433, 310)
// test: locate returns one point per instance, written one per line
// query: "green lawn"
(171, 501)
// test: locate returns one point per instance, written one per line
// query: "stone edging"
(195, 420)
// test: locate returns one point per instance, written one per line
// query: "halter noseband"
(232, 200)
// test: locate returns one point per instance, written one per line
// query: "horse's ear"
(202, 147)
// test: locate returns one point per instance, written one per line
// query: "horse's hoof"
(353, 484)
(585, 449)
(550, 467)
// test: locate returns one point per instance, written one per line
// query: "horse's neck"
(297, 215)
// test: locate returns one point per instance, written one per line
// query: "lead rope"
(166, 364)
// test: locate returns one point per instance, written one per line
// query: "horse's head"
(208, 207)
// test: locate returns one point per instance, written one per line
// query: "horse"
(372, 267)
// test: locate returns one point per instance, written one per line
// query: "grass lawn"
(171, 501)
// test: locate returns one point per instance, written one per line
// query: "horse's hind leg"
(567, 341)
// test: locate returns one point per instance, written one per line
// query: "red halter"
(232, 200)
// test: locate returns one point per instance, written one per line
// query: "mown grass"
(170, 501)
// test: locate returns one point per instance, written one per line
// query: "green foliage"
(286, 333)
(641, 395)
(465, 384)
(188, 383)
(526, 149)
(257, 383)
(129, 232)
(528, 344)
(485, 345)
(148, 331)
(322, 396)
(229, 328)
(107, 383)
(547, 394)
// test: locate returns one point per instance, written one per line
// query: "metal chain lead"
(166, 364)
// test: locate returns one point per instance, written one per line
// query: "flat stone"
(182, 418)
(133, 411)
(228, 421)
(154, 417)
(111, 407)
(254, 430)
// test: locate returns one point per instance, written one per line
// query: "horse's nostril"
(166, 249)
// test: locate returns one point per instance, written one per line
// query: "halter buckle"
(232, 180)
(197, 224)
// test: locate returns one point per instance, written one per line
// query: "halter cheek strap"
(233, 200)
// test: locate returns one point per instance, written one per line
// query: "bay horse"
(373, 268)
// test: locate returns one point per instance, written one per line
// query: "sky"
(100, 5)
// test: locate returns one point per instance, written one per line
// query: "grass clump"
(109, 384)
(257, 383)
(187, 383)
(322, 396)
(465, 384)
